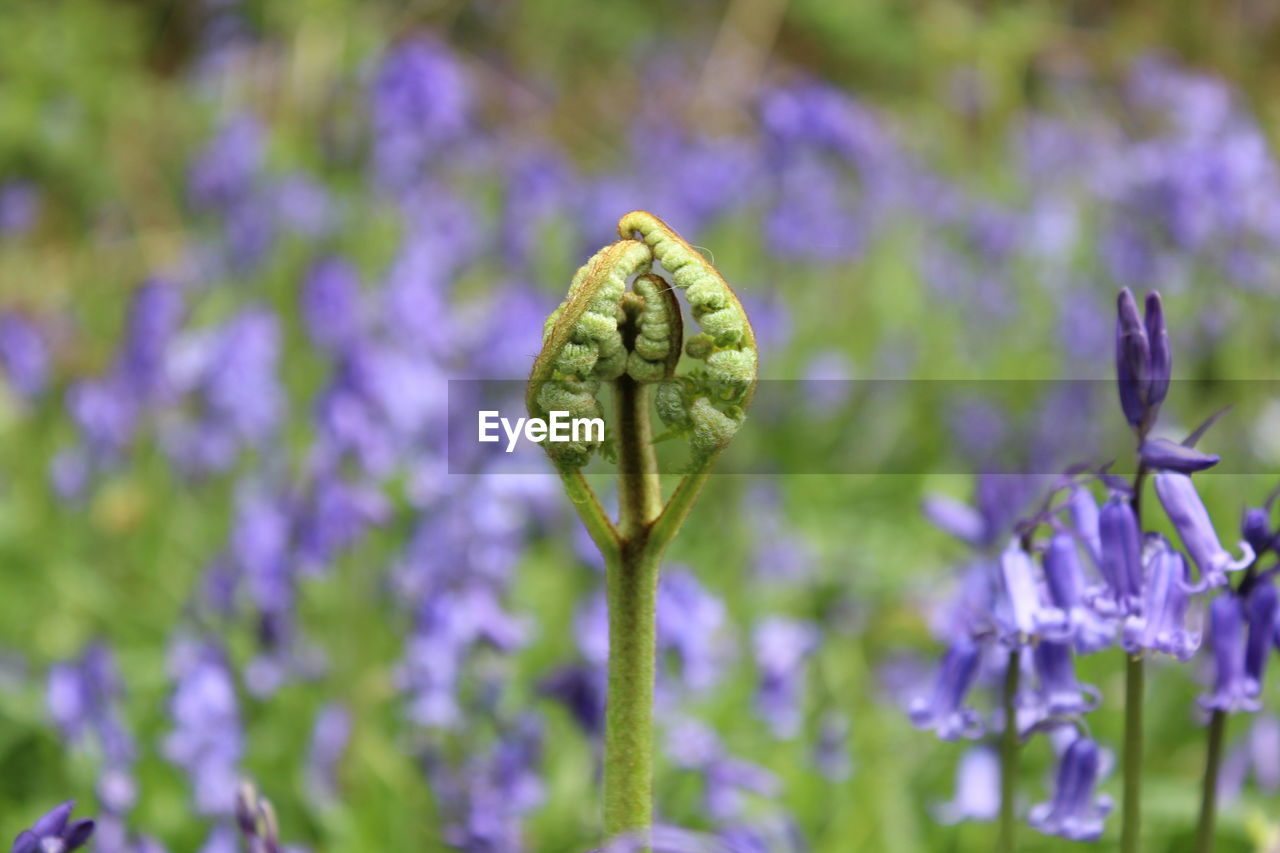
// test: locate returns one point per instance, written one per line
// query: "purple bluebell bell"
(1121, 555)
(1143, 361)
(331, 303)
(728, 780)
(19, 208)
(782, 649)
(420, 102)
(1161, 626)
(1260, 611)
(55, 832)
(156, 313)
(330, 735)
(831, 753)
(486, 797)
(24, 355)
(581, 689)
(1059, 692)
(206, 740)
(944, 711)
(977, 788)
(1161, 454)
(225, 171)
(1076, 812)
(1191, 520)
(1085, 520)
(1069, 618)
(83, 697)
(1256, 754)
(1233, 689)
(1021, 607)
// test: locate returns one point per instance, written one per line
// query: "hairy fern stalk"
(620, 324)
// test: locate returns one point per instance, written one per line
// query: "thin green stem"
(1209, 798)
(1009, 755)
(593, 516)
(632, 584)
(677, 510)
(1131, 808)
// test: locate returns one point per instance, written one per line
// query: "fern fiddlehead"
(633, 339)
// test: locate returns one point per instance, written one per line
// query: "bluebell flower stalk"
(634, 339)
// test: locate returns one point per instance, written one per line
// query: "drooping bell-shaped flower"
(1260, 614)
(1233, 690)
(1121, 554)
(1020, 611)
(977, 794)
(944, 710)
(1059, 690)
(1069, 618)
(1143, 359)
(1084, 518)
(1076, 812)
(1161, 625)
(1186, 511)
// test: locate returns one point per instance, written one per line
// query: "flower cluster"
(1063, 576)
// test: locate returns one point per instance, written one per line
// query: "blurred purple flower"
(206, 739)
(24, 355)
(782, 650)
(944, 711)
(977, 791)
(19, 208)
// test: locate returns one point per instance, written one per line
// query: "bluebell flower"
(1121, 555)
(1161, 624)
(24, 355)
(156, 313)
(728, 780)
(1143, 360)
(55, 832)
(1069, 618)
(1085, 521)
(1076, 812)
(225, 171)
(1260, 611)
(944, 711)
(331, 305)
(1191, 520)
(206, 739)
(1233, 689)
(330, 735)
(19, 208)
(977, 788)
(420, 102)
(1021, 609)
(581, 689)
(1256, 754)
(1059, 692)
(782, 649)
